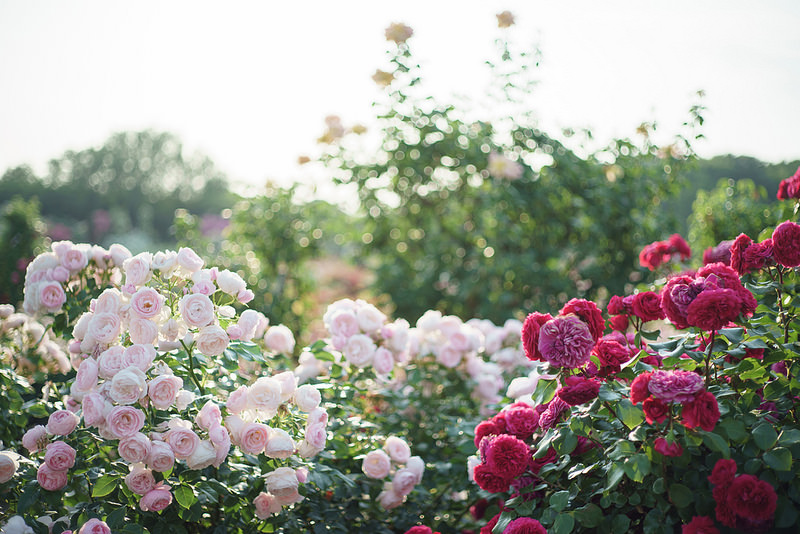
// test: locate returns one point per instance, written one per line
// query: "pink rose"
(52, 296)
(110, 361)
(142, 331)
(279, 339)
(266, 505)
(307, 397)
(398, 449)
(448, 355)
(237, 401)
(230, 283)
(416, 465)
(359, 350)
(316, 435)
(35, 438)
(282, 482)
(343, 323)
(248, 322)
(189, 260)
(156, 499)
(370, 318)
(50, 479)
(212, 340)
(139, 356)
(377, 464)
(288, 384)
(264, 396)
(135, 449)
(109, 301)
(119, 253)
(403, 482)
(104, 328)
(128, 386)
(86, 378)
(383, 361)
(140, 480)
(317, 415)
(253, 437)
(94, 526)
(146, 303)
(222, 443)
(183, 441)
(197, 310)
(203, 456)
(94, 407)
(163, 390)
(59, 456)
(62, 422)
(279, 445)
(8, 466)
(209, 416)
(124, 421)
(389, 500)
(161, 457)
(137, 269)
(74, 260)
(245, 295)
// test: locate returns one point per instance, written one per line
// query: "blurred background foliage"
(437, 227)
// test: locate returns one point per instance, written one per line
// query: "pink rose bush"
(394, 465)
(28, 346)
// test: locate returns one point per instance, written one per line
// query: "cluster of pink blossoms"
(361, 332)
(394, 459)
(28, 346)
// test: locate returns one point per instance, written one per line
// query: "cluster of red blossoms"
(659, 390)
(743, 501)
(661, 252)
(790, 187)
(783, 248)
(643, 306)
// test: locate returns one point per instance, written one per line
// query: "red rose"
(486, 428)
(525, 525)
(700, 524)
(703, 411)
(654, 255)
(676, 296)
(490, 481)
(738, 261)
(724, 273)
(589, 313)
(647, 306)
(419, 530)
(723, 473)
(655, 410)
(487, 529)
(578, 390)
(619, 323)
(521, 421)
(615, 306)
(551, 416)
(786, 244)
(612, 354)
(679, 245)
(714, 309)
(507, 456)
(752, 498)
(530, 334)
(667, 449)
(639, 390)
(723, 512)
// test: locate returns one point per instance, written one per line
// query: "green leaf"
(734, 335)
(735, 429)
(589, 516)
(615, 474)
(563, 524)
(104, 485)
(717, 443)
(620, 523)
(779, 459)
(559, 500)
(566, 443)
(680, 495)
(765, 436)
(776, 389)
(785, 514)
(789, 436)
(28, 497)
(637, 467)
(185, 496)
(545, 391)
(502, 523)
(753, 374)
(116, 519)
(630, 415)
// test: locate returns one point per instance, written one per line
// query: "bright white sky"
(249, 83)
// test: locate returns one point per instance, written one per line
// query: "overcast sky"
(249, 83)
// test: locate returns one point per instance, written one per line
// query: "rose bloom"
(343, 323)
(676, 296)
(264, 395)
(230, 283)
(62, 422)
(288, 382)
(52, 296)
(786, 244)
(578, 390)
(282, 482)
(163, 390)
(565, 341)
(237, 401)
(146, 302)
(388, 499)
(397, 449)
(525, 525)
(377, 464)
(647, 306)
(489, 428)
(640, 387)
(588, 312)
(359, 350)
(183, 441)
(700, 524)
(139, 356)
(552, 413)
(128, 386)
(723, 473)
(161, 457)
(403, 482)
(35, 438)
(110, 361)
(209, 416)
(714, 309)
(135, 449)
(8, 466)
(104, 328)
(50, 479)
(253, 437)
(279, 339)
(197, 310)
(204, 455)
(521, 421)
(86, 378)
(59, 456)
(142, 331)
(675, 386)
(383, 361)
(189, 260)
(212, 340)
(279, 445)
(489, 480)
(140, 480)
(124, 421)
(448, 355)
(156, 499)
(419, 529)
(370, 318)
(137, 269)
(655, 410)
(266, 505)
(316, 435)
(506, 455)
(752, 498)
(94, 526)
(307, 397)
(703, 411)
(667, 449)
(612, 355)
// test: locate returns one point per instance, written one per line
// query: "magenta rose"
(530, 334)
(703, 411)
(752, 498)
(521, 421)
(667, 449)
(647, 306)
(786, 244)
(566, 341)
(578, 390)
(51, 479)
(59, 456)
(552, 414)
(489, 480)
(62, 422)
(723, 473)
(156, 499)
(675, 386)
(655, 410)
(506, 455)
(654, 254)
(525, 525)
(588, 312)
(487, 428)
(738, 260)
(700, 524)
(714, 309)
(718, 254)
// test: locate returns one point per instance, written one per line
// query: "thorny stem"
(191, 369)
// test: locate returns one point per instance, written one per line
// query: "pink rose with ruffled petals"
(128, 386)
(161, 457)
(197, 310)
(137, 269)
(51, 479)
(253, 437)
(343, 323)
(35, 438)
(237, 401)
(146, 302)
(163, 390)
(398, 449)
(110, 361)
(282, 482)
(212, 340)
(156, 499)
(307, 397)
(566, 341)
(675, 386)
(139, 356)
(280, 444)
(62, 422)
(135, 449)
(124, 421)
(86, 378)
(266, 505)
(52, 296)
(142, 331)
(140, 480)
(59, 456)
(104, 328)
(183, 441)
(94, 526)
(209, 416)
(377, 464)
(189, 260)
